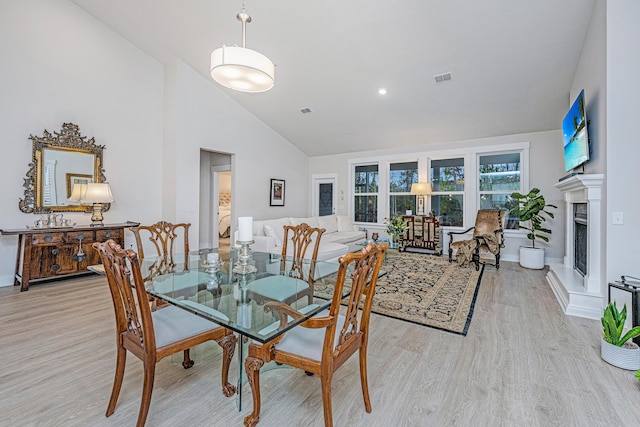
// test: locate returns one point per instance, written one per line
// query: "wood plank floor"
(523, 363)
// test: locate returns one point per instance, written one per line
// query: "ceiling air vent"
(442, 77)
(305, 110)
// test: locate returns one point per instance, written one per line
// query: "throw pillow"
(329, 223)
(311, 221)
(345, 223)
(269, 231)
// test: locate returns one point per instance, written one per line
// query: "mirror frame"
(68, 139)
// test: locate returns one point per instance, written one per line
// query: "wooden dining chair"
(166, 240)
(151, 336)
(321, 344)
(296, 262)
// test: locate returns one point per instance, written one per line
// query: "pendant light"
(240, 68)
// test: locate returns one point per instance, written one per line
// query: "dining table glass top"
(220, 288)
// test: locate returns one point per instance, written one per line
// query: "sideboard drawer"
(76, 236)
(48, 238)
(104, 235)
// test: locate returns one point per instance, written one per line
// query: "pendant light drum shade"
(242, 69)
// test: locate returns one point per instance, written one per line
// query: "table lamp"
(421, 189)
(97, 194)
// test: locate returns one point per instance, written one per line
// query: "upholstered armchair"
(488, 237)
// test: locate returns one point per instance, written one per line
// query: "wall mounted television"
(576, 140)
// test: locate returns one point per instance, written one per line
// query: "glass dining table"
(218, 286)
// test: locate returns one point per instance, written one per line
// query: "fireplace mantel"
(578, 295)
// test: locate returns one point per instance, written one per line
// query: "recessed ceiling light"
(382, 91)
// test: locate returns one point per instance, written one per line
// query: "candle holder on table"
(245, 264)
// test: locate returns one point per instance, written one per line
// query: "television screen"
(576, 141)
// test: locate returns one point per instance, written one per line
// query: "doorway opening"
(216, 199)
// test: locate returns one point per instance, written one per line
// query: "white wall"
(61, 65)
(153, 120)
(623, 143)
(209, 119)
(545, 162)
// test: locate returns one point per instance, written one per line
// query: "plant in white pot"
(529, 209)
(616, 348)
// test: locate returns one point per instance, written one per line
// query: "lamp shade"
(77, 192)
(421, 188)
(97, 193)
(242, 69)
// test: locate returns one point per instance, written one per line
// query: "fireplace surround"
(581, 294)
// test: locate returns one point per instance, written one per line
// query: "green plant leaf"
(631, 333)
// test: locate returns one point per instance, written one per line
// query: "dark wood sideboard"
(423, 233)
(48, 253)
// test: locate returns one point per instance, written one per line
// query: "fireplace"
(580, 248)
(577, 283)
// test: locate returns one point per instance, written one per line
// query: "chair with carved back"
(152, 335)
(488, 236)
(167, 240)
(321, 344)
(298, 260)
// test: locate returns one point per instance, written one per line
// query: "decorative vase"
(394, 239)
(532, 257)
(626, 357)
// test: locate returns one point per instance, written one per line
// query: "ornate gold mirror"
(60, 162)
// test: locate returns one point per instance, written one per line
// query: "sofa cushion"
(343, 237)
(311, 221)
(275, 227)
(327, 251)
(258, 228)
(270, 232)
(329, 223)
(345, 223)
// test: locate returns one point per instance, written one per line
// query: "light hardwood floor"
(523, 363)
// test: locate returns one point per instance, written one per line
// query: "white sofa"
(340, 236)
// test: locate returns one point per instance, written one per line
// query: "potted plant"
(529, 208)
(616, 348)
(396, 226)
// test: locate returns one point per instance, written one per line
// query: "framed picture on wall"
(276, 193)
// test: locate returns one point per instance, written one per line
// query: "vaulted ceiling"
(511, 63)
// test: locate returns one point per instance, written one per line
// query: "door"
(324, 195)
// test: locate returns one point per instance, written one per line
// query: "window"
(447, 198)
(499, 176)
(401, 176)
(366, 193)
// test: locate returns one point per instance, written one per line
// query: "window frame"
(395, 193)
(471, 194)
(481, 192)
(465, 162)
(365, 194)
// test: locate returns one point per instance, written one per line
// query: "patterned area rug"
(424, 289)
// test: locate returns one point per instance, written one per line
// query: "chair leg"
(498, 261)
(252, 367)
(325, 379)
(147, 389)
(228, 344)
(121, 359)
(363, 378)
(186, 361)
(450, 255)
